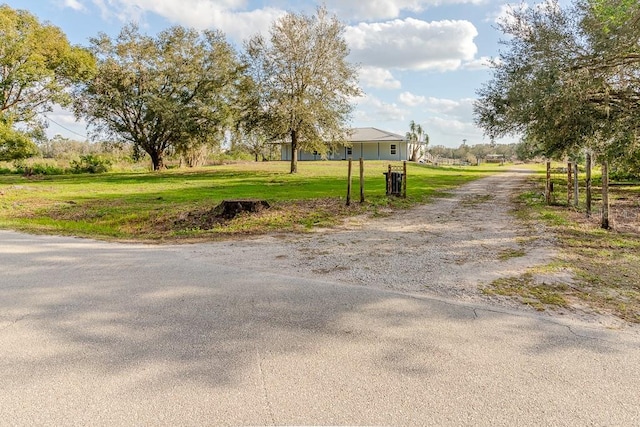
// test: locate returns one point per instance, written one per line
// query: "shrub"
(21, 167)
(90, 164)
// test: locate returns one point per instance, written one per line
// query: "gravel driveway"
(449, 248)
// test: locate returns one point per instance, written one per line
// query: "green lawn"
(173, 204)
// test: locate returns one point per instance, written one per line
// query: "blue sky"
(420, 60)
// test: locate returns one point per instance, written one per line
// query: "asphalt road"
(96, 333)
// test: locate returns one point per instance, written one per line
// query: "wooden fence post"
(349, 184)
(605, 195)
(404, 179)
(361, 180)
(588, 184)
(389, 188)
(547, 192)
(569, 183)
(576, 181)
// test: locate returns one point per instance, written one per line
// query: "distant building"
(494, 158)
(368, 143)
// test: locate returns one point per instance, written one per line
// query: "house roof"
(373, 135)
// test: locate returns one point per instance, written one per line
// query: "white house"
(368, 143)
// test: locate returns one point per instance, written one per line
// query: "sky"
(420, 60)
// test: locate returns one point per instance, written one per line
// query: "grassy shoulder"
(603, 265)
(175, 205)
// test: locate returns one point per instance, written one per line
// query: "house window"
(393, 148)
(349, 151)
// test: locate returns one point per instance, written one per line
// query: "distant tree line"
(182, 92)
(476, 153)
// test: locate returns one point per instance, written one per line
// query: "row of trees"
(473, 153)
(181, 90)
(568, 80)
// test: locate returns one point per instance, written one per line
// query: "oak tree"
(38, 67)
(171, 92)
(303, 82)
(568, 78)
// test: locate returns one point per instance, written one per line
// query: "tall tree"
(417, 139)
(253, 143)
(568, 78)
(303, 82)
(614, 34)
(37, 68)
(169, 92)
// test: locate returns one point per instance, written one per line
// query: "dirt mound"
(221, 214)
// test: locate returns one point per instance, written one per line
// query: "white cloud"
(443, 106)
(378, 78)
(72, 4)
(411, 100)
(503, 13)
(376, 9)
(228, 16)
(450, 125)
(412, 44)
(462, 108)
(481, 63)
(374, 110)
(387, 9)
(242, 25)
(451, 132)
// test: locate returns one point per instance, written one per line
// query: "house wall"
(285, 152)
(400, 152)
(367, 150)
(305, 155)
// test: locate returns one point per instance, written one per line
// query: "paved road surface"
(107, 334)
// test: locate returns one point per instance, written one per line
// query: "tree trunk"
(414, 153)
(547, 191)
(157, 160)
(605, 195)
(294, 151)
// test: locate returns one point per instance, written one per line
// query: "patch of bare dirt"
(624, 212)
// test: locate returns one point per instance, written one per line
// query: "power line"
(65, 128)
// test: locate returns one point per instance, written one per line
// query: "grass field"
(176, 204)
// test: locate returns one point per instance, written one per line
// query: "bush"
(90, 164)
(23, 168)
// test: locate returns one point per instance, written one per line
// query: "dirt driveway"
(449, 248)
